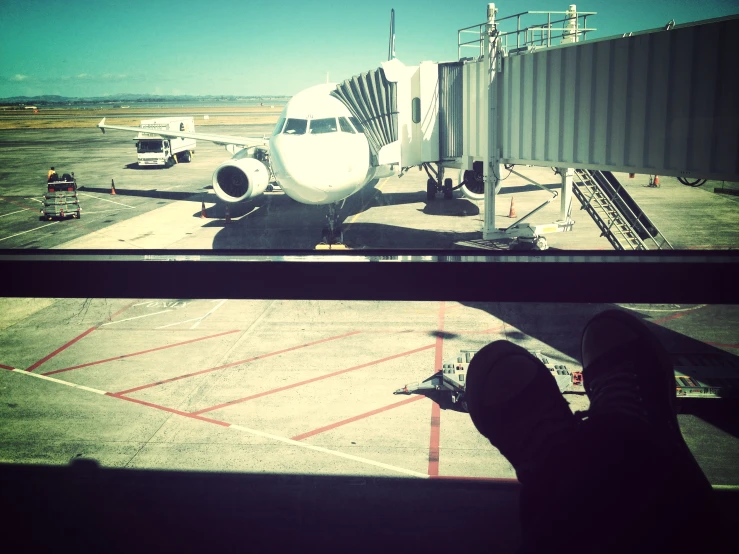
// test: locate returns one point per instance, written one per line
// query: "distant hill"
(132, 98)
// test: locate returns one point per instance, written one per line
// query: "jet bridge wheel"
(448, 193)
(430, 189)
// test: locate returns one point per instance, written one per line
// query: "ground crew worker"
(52, 176)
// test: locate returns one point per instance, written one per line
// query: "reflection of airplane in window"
(317, 152)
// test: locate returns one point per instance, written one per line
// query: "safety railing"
(572, 25)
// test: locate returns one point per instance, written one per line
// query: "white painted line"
(178, 323)
(106, 200)
(206, 315)
(640, 309)
(19, 211)
(331, 452)
(131, 318)
(24, 232)
(35, 200)
(23, 372)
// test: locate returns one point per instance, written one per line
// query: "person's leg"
(515, 403)
(644, 489)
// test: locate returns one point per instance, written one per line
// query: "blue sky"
(83, 48)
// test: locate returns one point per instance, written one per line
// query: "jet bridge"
(660, 101)
(535, 92)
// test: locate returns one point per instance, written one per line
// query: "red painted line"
(678, 315)
(301, 383)
(139, 353)
(357, 418)
(486, 479)
(434, 440)
(60, 349)
(170, 410)
(203, 371)
(723, 345)
(7, 367)
(70, 343)
(119, 312)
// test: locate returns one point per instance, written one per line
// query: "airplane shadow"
(153, 193)
(137, 167)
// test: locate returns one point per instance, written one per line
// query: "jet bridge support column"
(567, 174)
(491, 171)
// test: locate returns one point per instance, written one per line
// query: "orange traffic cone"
(631, 175)
(512, 211)
(112, 187)
(656, 180)
(203, 215)
(228, 215)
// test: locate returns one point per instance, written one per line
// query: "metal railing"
(535, 34)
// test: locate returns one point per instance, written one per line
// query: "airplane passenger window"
(345, 126)
(320, 126)
(295, 126)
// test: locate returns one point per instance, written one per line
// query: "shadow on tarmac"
(153, 193)
(182, 511)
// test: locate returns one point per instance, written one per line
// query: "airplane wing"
(222, 140)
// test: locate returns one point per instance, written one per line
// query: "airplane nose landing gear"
(332, 233)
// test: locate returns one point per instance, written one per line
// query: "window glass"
(278, 127)
(345, 126)
(321, 126)
(357, 124)
(295, 126)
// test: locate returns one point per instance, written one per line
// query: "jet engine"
(474, 182)
(240, 179)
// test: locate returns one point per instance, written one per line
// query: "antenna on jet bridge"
(391, 45)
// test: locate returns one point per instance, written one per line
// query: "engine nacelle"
(240, 179)
(474, 187)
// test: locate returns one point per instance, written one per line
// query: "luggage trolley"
(60, 200)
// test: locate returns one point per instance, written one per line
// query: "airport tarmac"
(297, 387)
(161, 208)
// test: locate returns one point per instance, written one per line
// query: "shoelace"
(617, 392)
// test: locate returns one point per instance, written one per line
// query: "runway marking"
(106, 200)
(60, 349)
(272, 437)
(240, 362)
(24, 232)
(140, 353)
(16, 212)
(206, 315)
(486, 479)
(677, 315)
(35, 200)
(307, 381)
(722, 345)
(3, 366)
(4, 199)
(678, 309)
(137, 317)
(67, 383)
(331, 452)
(435, 436)
(357, 418)
(178, 323)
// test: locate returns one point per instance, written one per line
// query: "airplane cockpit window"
(295, 127)
(279, 126)
(357, 124)
(345, 126)
(320, 126)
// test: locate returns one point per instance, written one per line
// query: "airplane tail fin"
(391, 45)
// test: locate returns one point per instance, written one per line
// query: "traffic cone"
(112, 187)
(512, 211)
(228, 215)
(631, 175)
(656, 180)
(203, 215)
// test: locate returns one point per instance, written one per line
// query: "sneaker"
(515, 403)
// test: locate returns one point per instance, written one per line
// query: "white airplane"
(318, 154)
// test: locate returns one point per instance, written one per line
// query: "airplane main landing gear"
(432, 185)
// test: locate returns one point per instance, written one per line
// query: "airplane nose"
(301, 172)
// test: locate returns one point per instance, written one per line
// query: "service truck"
(155, 150)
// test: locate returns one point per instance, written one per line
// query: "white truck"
(154, 150)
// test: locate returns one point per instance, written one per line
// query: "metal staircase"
(618, 217)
